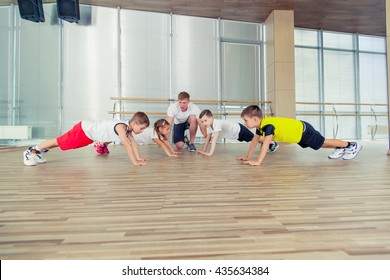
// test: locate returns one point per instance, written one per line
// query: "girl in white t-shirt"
(158, 134)
(162, 130)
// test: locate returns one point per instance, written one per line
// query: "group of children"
(183, 115)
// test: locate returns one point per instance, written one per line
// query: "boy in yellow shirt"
(290, 131)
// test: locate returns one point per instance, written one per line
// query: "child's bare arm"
(263, 151)
(169, 146)
(252, 147)
(127, 144)
(206, 142)
(134, 144)
(213, 144)
(163, 146)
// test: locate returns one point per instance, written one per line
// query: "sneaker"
(98, 148)
(105, 149)
(191, 147)
(39, 156)
(273, 147)
(29, 157)
(352, 150)
(186, 141)
(338, 153)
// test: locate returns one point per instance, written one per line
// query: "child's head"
(252, 116)
(206, 118)
(183, 99)
(139, 122)
(162, 128)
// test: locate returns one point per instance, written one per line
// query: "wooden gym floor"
(297, 205)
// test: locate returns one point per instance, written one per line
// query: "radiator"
(15, 132)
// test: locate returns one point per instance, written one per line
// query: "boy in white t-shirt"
(225, 129)
(86, 132)
(183, 114)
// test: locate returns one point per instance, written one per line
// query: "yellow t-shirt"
(283, 129)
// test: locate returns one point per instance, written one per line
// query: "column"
(388, 66)
(280, 63)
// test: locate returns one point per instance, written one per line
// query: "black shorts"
(311, 137)
(179, 130)
(245, 134)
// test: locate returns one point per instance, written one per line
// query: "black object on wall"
(31, 10)
(68, 10)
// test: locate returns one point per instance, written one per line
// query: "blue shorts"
(245, 134)
(179, 130)
(311, 137)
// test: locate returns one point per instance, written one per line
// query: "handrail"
(164, 113)
(192, 100)
(340, 114)
(340, 103)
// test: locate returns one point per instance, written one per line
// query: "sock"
(349, 144)
(36, 148)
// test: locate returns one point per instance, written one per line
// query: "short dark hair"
(183, 95)
(140, 118)
(207, 113)
(252, 111)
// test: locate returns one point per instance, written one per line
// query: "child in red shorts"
(86, 132)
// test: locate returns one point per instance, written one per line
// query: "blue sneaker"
(191, 147)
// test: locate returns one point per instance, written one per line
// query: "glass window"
(240, 31)
(194, 60)
(338, 40)
(372, 44)
(38, 76)
(240, 71)
(5, 55)
(305, 37)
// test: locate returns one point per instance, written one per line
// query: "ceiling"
(352, 16)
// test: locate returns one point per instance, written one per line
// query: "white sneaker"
(29, 158)
(352, 151)
(338, 153)
(39, 158)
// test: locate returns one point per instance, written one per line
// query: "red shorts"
(74, 138)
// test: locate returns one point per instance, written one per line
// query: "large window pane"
(194, 58)
(5, 56)
(90, 65)
(39, 74)
(145, 59)
(373, 86)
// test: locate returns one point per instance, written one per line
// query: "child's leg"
(48, 144)
(335, 143)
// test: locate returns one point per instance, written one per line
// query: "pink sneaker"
(105, 149)
(98, 148)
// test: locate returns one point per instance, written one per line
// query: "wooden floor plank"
(297, 205)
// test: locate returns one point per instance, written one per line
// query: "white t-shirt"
(228, 129)
(146, 136)
(101, 130)
(179, 116)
